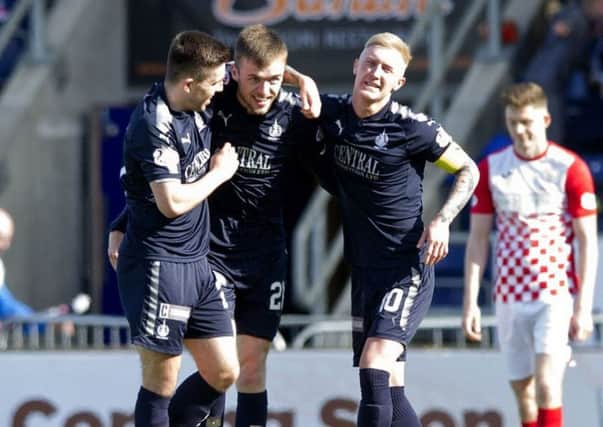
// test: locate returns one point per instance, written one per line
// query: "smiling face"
(258, 87)
(379, 71)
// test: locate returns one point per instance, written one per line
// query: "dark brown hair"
(192, 53)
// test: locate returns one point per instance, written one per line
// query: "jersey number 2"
(276, 295)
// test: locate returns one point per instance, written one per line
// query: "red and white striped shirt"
(534, 201)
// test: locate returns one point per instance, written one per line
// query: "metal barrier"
(37, 31)
(43, 332)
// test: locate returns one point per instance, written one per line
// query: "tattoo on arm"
(462, 189)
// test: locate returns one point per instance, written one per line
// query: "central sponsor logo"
(356, 162)
(254, 162)
(197, 167)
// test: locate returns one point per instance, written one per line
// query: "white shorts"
(529, 328)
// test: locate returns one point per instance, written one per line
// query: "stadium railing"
(30, 14)
(96, 332)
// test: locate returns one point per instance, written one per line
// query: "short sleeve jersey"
(164, 145)
(379, 164)
(534, 201)
(247, 211)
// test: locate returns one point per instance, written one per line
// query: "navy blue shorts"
(166, 302)
(390, 302)
(255, 287)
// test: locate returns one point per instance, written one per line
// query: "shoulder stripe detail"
(288, 97)
(162, 118)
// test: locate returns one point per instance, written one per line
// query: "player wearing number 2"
(266, 126)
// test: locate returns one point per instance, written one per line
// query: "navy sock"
(192, 401)
(216, 413)
(252, 409)
(376, 404)
(151, 409)
(403, 415)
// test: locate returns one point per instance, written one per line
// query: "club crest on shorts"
(163, 331)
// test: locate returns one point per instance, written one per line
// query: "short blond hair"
(392, 41)
(521, 95)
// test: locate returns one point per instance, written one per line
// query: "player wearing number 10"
(379, 150)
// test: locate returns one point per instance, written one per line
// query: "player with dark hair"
(542, 196)
(166, 286)
(379, 149)
(267, 128)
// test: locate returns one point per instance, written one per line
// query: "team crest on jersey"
(442, 137)
(168, 158)
(275, 130)
(381, 140)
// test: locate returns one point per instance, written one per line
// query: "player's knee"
(548, 392)
(226, 376)
(253, 370)
(160, 381)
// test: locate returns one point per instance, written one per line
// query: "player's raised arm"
(308, 92)
(436, 235)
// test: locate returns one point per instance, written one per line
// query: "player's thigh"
(393, 303)
(216, 359)
(260, 294)
(159, 371)
(157, 297)
(380, 353)
(552, 327)
(211, 315)
(515, 331)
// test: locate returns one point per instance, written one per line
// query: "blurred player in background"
(166, 285)
(267, 127)
(380, 149)
(544, 202)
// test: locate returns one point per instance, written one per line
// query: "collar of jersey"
(375, 117)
